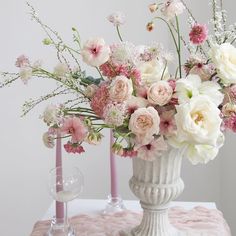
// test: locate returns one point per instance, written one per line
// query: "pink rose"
(160, 93)
(144, 123)
(121, 89)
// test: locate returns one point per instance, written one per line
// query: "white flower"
(60, 70)
(224, 58)
(144, 123)
(117, 18)
(51, 115)
(159, 93)
(198, 121)
(190, 87)
(25, 74)
(48, 140)
(95, 52)
(121, 89)
(152, 71)
(172, 8)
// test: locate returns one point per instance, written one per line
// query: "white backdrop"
(25, 162)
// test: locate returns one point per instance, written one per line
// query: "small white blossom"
(117, 18)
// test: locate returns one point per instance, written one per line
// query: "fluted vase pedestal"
(156, 184)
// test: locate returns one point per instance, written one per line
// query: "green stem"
(119, 34)
(99, 72)
(179, 47)
(163, 72)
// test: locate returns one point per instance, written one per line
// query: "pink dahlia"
(198, 34)
(73, 148)
(75, 127)
(100, 100)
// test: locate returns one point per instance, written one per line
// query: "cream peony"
(121, 89)
(224, 58)
(95, 52)
(159, 93)
(192, 86)
(144, 123)
(198, 121)
(151, 72)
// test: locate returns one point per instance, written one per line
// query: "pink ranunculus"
(159, 93)
(22, 61)
(172, 8)
(100, 100)
(73, 148)
(75, 127)
(117, 18)
(121, 89)
(95, 52)
(152, 150)
(144, 123)
(198, 34)
(167, 124)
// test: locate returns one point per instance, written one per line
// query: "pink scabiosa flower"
(117, 18)
(100, 99)
(73, 148)
(167, 123)
(152, 150)
(95, 52)
(198, 34)
(114, 114)
(75, 127)
(22, 61)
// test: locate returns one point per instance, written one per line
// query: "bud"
(150, 26)
(94, 138)
(117, 149)
(153, 7)
(47, 41)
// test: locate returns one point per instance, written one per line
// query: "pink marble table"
(198, 221)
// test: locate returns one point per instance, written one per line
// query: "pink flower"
(167, 124)
(95, 52)
(108, 70)
(134, 103)
(117, 18)
(129, 153)
(232, 92)
(144, 123)
(172, 8)
(160, 93)
(198, 34)
(100, 100)
(135, 75)
(152, 150)
(73, 148)
(230, 123)
(121, 89)
(22, 61)
(75, 127)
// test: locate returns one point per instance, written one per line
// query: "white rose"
(224, 58)
(198, 121)
(152, 71)
(121, 89)
(159, 93)
(95, 52)
(144, 123)
(192, 86)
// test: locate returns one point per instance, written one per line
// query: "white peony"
(152, 71)
(224, 58)
(95, 52)
(192, 86)
(198, 121)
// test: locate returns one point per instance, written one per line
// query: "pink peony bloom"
(75, 127)
(95, 52)
(22, 61)
(167, 123)
(198, 34)
(73, 148)
(117, 18)
(100, 100)
(152, 150)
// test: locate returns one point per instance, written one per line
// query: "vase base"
(114, 205)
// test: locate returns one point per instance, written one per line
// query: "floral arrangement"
(148, 107)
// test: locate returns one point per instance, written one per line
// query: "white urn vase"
(156, 184)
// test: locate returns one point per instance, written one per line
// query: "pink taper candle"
(59, 205)
(114, 186)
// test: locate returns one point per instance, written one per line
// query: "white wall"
(25, 161)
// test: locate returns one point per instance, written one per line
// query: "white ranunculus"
(95, 52)
(152, 71)
(198, 121)
(192, 86)
(224, 58)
